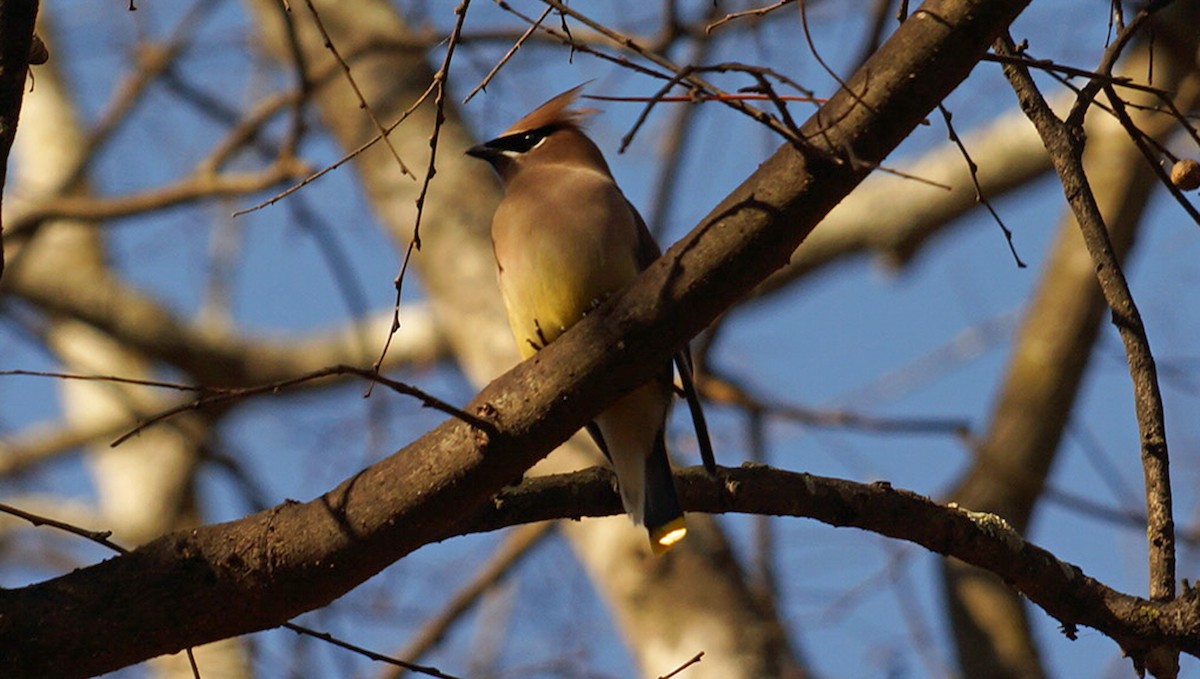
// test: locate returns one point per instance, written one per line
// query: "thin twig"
(362, 101)
(378, 657)
(191, 656)
(439, 103)
(632, 45)
(507, 55)
(691, 661)
(1140, 139)
(757, 12)
(973, 169)
(1049, 66)
(812, 47)
(218, 397)
(103, 378)
(304, 82)
(100, 537)
(1109, 60)
(577, 45)
(787, 128)
(701, 97)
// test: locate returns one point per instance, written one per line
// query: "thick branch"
(984, 540)
(17, 18)
(221, 580)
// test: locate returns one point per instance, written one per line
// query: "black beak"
(484, 152)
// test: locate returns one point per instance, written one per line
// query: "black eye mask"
(522, 141)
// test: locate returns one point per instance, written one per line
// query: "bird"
(565, 238)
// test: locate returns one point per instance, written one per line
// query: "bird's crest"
(556, 111)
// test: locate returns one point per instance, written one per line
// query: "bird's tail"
(662, 514)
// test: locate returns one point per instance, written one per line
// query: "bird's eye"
(523, 142)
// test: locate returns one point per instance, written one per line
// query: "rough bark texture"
(221, 580)
(17, 18)
(458, 269)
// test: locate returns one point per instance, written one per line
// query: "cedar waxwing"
(565, 238)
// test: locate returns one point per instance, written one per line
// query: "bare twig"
(757, 12)
(1023, 59)
(979, 197)
(507, 55)
(691, 661)
(812, 47)
(222, 396)
(1109, 60)
(1140, 140)
(103, 378)
(701, 97)
(304, 81)
(100, 537)
(378, 657)
(570, 41)
(439, 102)
(362, 101)
(631, 45)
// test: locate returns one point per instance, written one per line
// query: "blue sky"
(828, 342)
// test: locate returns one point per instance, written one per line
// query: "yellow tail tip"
(665, 536)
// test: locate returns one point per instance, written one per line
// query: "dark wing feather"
(648, 251)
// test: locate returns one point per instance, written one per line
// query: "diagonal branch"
(217, 581)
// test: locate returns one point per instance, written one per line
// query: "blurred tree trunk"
(662, 628)
(144, 487)
(1013, 459)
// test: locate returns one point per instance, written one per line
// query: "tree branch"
(17, 18)
(255, 573)
(1065, 144)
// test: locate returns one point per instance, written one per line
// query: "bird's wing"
(647, 252)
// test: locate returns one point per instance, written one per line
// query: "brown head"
(550, 134)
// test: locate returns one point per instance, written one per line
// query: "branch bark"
(457, 267)
(226, 579)
(17, 18)
(1064, 141)
(1065, 144)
